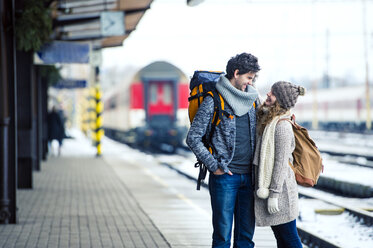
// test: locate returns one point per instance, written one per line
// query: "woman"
(276, 199)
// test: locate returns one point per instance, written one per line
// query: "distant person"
(56, 128)
(276, 201)
(230, 166)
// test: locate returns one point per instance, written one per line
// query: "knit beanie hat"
(287, 93)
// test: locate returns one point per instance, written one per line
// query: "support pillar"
(39, 119)
(8, 118)
(26, 120)
(4, 123)
(44, 113)
(4, 196)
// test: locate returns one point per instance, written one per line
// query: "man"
(56, 128)
(230, 166)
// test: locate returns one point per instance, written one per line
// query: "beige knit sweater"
(283, 185)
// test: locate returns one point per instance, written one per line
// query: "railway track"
(350, 158)
(362, 160)
(365, 217)
(355, 146)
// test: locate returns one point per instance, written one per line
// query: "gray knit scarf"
(240, 101)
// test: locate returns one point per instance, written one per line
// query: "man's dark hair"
(244, 63)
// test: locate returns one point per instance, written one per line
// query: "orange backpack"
(202, 85)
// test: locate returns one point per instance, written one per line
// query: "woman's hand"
(273, 205)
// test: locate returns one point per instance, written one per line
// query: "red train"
(150, 108)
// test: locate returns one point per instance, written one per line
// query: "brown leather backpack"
(307, 162)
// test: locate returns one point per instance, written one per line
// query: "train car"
(334, 109)
(150, 108)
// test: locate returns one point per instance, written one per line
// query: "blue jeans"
(287, 235)
(232, 196)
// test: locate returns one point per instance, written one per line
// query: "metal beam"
(82, 34)
(88, 9)
(79, 18)
(67, 4)
(76, 18)
(96, 38)
(93, 25)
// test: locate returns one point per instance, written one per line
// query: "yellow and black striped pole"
(92, 114)
(99, 131)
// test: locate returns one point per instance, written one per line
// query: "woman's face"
(271, 99)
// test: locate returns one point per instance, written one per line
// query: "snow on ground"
(122, 151)
(347, 173)
(361, 144)
(362, 203)
(81, 145)
(341, 229)
(77, 145)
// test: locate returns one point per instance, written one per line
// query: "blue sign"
(70, 84)
(64, 52)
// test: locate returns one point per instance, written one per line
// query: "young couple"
(250, 179)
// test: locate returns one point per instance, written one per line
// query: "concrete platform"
(122, 199)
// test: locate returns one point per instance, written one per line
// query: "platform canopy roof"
(81, 20)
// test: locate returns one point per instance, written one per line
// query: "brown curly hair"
(244, 63)
(266, 114)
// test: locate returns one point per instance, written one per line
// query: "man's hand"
(273, 205)
(221, 172)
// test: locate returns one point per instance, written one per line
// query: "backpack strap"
(218, 112)
(207, 139)
(202, 173)
(291, 120)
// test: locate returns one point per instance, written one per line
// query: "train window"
(167, 94)
(153, 93)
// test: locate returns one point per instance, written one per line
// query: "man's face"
(241, 81)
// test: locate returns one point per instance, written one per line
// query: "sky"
(293, 40)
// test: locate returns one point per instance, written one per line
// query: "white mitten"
(273, 205)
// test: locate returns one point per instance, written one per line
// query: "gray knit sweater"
(283, 185)
(223, 139)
